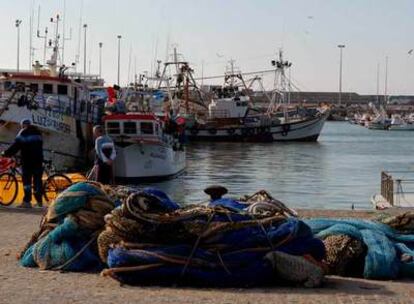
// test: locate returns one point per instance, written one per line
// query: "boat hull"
(306, 130)
(408, 127)
(147, 162)
(65, 140)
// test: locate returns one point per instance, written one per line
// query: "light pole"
(18, 22)
(386, 82)
(119, 56)
(85, 26)
(340, 46)
(100, 59)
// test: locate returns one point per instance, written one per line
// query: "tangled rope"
(66, 239)
(151, 239)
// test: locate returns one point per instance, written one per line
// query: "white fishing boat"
(231, 115)
(148, 147)
(58, 104)
(380, 120)
(237, 125)
(378, 123)
(399, 124)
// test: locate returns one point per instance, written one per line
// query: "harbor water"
(340, 170)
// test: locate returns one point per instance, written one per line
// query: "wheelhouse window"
(62, 89)
(34, 87)
(113, 128)
(130, 127)
(47, 88)
(8, 86)
(147, 128)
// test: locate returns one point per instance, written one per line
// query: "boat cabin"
(231, 107)
(46, 85)
(56, 93)
(133, 126)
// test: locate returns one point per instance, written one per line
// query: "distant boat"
(253, 129)
(379, 123)
(399, 124)
(231, 116)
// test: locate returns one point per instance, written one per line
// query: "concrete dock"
(22, 285)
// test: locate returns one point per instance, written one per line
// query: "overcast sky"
(215, 31)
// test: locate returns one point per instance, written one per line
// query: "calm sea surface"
(341, 169)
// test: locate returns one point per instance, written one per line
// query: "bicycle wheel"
(54, 185)
(9, 188)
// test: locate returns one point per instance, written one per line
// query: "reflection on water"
(342, 169)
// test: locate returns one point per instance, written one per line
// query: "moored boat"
(56, 104)
(300, 130)
(232, 116)
(59, 104)
(148, 147)
(400, 124)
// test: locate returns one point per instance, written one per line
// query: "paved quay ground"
(22, 285)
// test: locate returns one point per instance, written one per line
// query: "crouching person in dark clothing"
(29, 142)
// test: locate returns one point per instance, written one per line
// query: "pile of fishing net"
(150, 239)
(373, 249)
(67, 236)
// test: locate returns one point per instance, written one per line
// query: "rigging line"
(240, 59)
(243, 74)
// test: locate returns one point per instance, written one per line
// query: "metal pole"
(63, 32)
(18, 22)
(386, 82)
(85, 26)
(31, 36)
(119, 57)
(340, 46)
(100, 59)
(45, 47)
(378, 82)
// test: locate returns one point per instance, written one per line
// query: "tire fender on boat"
(247, 131)
(231, 131)
(212, 131)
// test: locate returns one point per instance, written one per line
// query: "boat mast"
(77, 57)
(52, 62)
(31, 49)
(63, 33)
(232, 61)
(42, 37)
(281, 65)
(64, 38)
(378, 82)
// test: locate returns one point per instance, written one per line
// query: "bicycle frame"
(13, 168)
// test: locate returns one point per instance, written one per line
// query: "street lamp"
(119, 56)
(18, 22)
(100, 59)
(340, 46)
(85, 26)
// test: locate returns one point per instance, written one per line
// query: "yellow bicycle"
(53, 184)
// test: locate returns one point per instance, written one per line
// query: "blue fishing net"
(385, 246)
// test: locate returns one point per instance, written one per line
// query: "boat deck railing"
(397, 187)
(85, 111)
